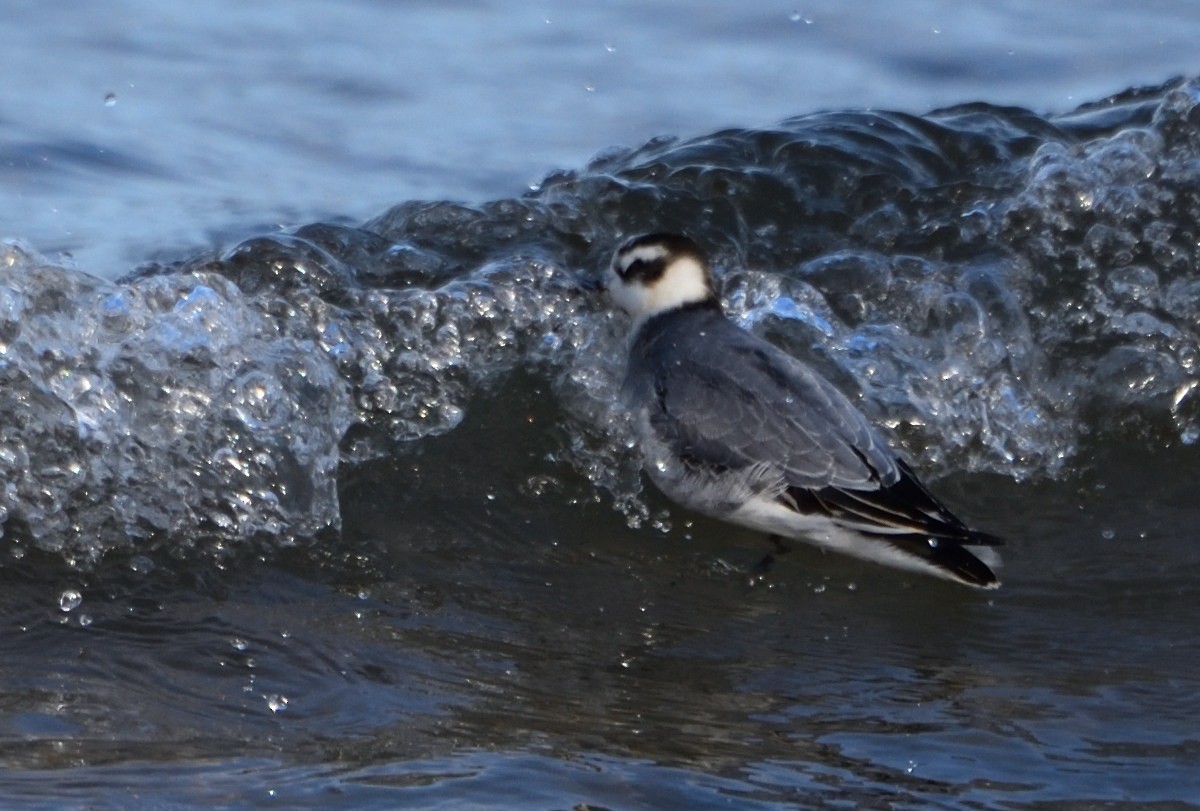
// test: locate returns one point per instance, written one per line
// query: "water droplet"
(69, 600)
(795, 16)
(141, 564)
(239, 643)
(911, 767)
(1108, 534)
(110, 99)
(820, 589)
(276, 703)
(85, 620)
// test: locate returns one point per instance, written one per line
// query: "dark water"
(344, 515)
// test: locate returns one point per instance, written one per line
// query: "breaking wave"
(996, 286)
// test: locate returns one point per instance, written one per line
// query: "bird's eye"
(638, 268)
(633, 267)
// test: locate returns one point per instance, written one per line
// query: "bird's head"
(656, 273)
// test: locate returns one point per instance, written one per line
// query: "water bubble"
(69, 600)
(141, 564)
(191, 352)
(276, 703)
(239, 644)
(110, 99)
(541, 485)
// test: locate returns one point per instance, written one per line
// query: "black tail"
(909, 518)
(947, 555)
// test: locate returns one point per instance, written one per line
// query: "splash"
(161, 408)
(993, 286)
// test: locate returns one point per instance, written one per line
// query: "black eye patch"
(644, 270)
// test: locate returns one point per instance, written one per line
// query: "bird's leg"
(779, 547)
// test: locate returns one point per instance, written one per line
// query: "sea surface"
(314, 488)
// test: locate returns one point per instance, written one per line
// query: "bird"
(733, 427)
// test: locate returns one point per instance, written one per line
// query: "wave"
(997, 286)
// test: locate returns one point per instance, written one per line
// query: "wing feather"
(904, 508)
(728, 399)
(720, 400)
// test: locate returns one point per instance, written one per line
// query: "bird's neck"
(650, 321)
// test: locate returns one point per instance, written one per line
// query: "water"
(133, 131)
(341, 514)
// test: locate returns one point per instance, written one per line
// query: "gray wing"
(730, 400)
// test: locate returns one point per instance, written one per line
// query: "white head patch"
(654, 274)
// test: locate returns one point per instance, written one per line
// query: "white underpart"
(768, 515)
(684, 281)
(751, 498)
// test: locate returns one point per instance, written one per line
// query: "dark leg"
(778, 547)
